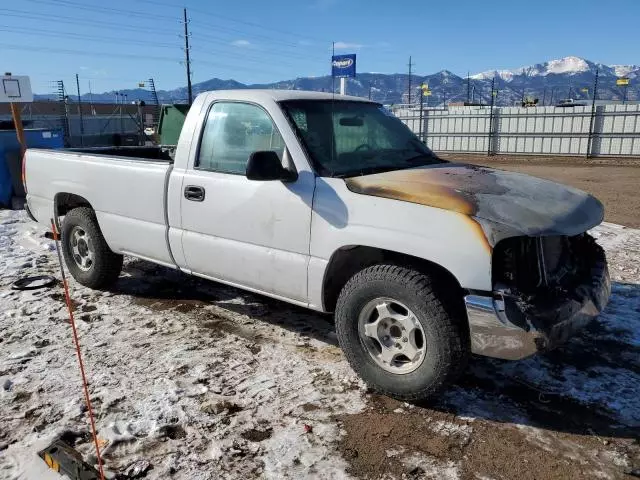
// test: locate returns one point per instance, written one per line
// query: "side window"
(232, 132)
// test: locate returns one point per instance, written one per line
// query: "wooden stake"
(17, 121)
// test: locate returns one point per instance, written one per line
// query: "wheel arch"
(64, 202)
(348, 260)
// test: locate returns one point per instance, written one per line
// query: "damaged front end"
(545, 289)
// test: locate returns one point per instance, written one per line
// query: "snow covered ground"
(206, 381)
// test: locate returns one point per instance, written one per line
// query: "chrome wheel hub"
(81, 248)
(392, 335)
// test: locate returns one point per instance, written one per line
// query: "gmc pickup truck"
(331, 203)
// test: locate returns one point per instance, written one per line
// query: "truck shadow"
(589, 386)
(160, 288)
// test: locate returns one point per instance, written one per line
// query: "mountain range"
(549, 82)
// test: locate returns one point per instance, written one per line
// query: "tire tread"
(455, 351)
(107, 263)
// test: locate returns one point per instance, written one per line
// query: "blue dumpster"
(10, 166)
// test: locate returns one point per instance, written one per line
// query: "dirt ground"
(202, 381)
(614, 181)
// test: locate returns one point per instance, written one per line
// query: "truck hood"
(503, 203)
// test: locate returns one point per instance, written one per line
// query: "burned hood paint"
(503, 203)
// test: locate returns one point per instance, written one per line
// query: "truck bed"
(126, 187)
(157, 154)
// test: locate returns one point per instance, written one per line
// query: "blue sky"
(115, 44)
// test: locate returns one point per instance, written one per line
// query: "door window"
(232, 132)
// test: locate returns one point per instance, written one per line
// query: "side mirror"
(265, 165)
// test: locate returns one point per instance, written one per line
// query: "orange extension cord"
(77, 343)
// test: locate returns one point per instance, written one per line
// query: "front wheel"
(402, 338)
(86, 253)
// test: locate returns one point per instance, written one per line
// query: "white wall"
(531, 131)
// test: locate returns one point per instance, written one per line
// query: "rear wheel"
(87, 255)
(402, 338)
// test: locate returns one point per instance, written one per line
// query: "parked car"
(331, 203)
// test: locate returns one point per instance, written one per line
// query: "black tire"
(439, 313)
(106, 266)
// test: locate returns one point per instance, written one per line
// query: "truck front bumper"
(500, 328)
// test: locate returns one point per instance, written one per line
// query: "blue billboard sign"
(343, 65)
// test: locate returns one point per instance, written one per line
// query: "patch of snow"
(506, 75)
(394, 452)
(567, 65)
(175, 388)
(429, 467)
(449, 428)
(624, 70)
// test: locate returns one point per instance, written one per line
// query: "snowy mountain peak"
(625, 70)
(506, 75)
(567, 65)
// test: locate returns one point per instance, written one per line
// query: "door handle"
(194, 193)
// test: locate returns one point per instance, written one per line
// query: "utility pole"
(188, 60)
(468, 87)
(91, 99)
(156, 102)
(80, 112)
(333, 78)
(593, 114)
(369, 90)
(409, 91)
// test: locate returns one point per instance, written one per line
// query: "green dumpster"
(170, 123)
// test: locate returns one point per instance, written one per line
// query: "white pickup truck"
(330, 202)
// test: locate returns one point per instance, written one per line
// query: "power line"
(78, 21)
(146, 15)
(202, 38)
(231, 19)
(122, 56)
(38, 32)
(65, 51)
(206, 51)
(248, 34)
(107, 10)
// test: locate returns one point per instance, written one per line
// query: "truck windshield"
(347, 138)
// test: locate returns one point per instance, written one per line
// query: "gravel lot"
(206, 382)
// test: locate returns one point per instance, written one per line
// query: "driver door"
(253, 234)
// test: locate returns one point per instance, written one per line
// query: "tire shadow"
(161, 288)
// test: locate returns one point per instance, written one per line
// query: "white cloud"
(96, 72)
(348, 46)
(241, 43)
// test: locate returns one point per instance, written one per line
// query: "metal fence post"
(593, 114)
(421, 135)
(489, 140)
